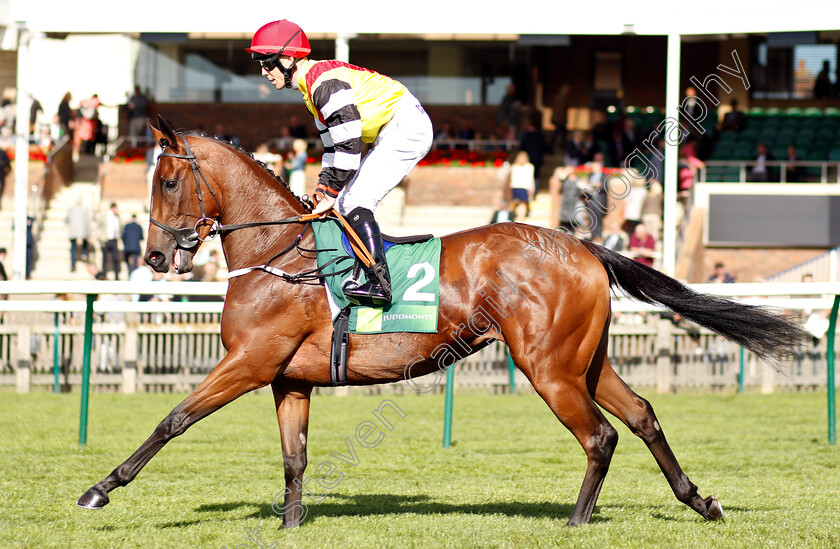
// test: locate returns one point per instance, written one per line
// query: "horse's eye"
(170, 185)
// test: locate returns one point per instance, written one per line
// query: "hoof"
(714, 510)
(93, 499)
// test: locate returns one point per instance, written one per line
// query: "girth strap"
(338, 349)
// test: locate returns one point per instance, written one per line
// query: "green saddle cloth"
(415, 283)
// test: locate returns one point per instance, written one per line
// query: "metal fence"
(173, 352)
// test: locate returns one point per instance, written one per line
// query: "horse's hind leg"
(231, 378)
(573, 406)
(617, 398)
(293, 417)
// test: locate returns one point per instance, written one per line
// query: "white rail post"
(664, 362)
(129, 371)
(23, 370)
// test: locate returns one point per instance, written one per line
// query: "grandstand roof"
(431, 16)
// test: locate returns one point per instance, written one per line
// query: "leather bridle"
(188, 237)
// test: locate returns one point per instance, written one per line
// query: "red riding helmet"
(283, 37)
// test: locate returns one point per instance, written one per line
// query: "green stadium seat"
(812, 112)
(793, 111)
(773, 111)
(743, 153)
(834, 155)
(831, 111)
(779, 152)
(756, 111)
(816, 154)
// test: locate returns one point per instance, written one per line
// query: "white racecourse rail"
(171, 346)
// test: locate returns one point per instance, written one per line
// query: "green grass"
(510, 479)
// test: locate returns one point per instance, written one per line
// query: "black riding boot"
(376, 291)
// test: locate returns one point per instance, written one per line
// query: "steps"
(53, 248)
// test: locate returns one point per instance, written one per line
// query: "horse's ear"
(165, 136)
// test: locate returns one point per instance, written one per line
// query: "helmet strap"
(287, 72)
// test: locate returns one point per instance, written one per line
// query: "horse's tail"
(768, 334)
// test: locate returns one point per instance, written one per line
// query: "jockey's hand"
(323, 203)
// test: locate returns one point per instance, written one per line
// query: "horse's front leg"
(293, 417)
(234, 376)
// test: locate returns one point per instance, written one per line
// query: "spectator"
(504, 213)
(296, 166)
(566, 181)
(297, 129)
(35, 111)
(793, 172)
(652, 209)
(559, 117)
(86, 137)
(138, 112)
(760, 171)
(687, 165)
(595, 197)
(65, 116)
(735, 119)
(3, 274)
(5, 169)
(691, 105)
(822, 85)
(78, 230)
(522, 184)
(110, 230)
(580, 149)
(631, 138)
(7, 118)
(614, 238)
(132, 235)
(508, 114)
(272, 160)
(445, 134)
(720, 276)
(284, 142)
(151, 163)
(30, 246)
(642, 245)
(634, 201)
(533, 143)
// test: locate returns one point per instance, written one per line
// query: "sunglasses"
(269, 63)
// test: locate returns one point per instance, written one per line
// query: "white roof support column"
(342, 46)
(21, 155)
(672, 103)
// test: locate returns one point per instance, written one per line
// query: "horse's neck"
(258, 198)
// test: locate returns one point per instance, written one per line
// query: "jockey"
(351, 106)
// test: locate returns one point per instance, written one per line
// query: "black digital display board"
(774, 221)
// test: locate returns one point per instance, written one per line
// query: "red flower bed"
(131, 154)
(453, 158)
(458, 157)
(36, 154)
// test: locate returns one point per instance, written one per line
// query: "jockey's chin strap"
(188, 237)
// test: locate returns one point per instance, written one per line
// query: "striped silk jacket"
(350, 105)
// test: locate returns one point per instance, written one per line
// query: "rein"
(186, 237)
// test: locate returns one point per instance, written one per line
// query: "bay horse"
(551, 308)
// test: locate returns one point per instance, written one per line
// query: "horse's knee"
(602, 444)
(294, 465)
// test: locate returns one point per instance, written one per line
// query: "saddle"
(349, 315)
